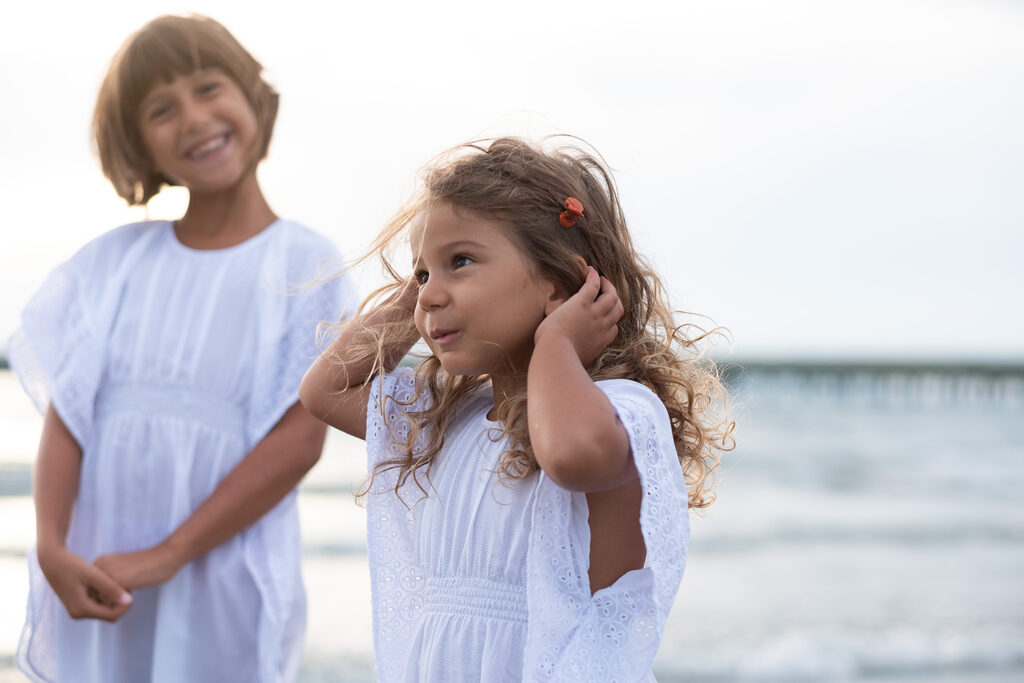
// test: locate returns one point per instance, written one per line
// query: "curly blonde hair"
(523, 186)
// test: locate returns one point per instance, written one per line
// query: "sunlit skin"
(478, 303)
(201, 133)
(199, 130)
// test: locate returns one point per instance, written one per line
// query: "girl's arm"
(264, 477)
(335, 388)
(85, 590)
(576, 436)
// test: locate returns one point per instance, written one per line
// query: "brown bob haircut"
(167, 47)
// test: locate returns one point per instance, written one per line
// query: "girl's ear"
(581, 266)
(558, 295)
(555, 299)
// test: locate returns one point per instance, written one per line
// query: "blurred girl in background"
(166, 356)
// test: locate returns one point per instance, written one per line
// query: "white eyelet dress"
(485, 579)
(168, 365)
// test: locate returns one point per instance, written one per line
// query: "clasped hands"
(102, 589)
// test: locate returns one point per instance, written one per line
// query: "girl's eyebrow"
(461, 244)
(157, 92)
(149, 99)
(449, 247)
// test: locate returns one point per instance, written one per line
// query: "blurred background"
(837, 182)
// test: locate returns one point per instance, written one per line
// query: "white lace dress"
(168, 366)
(486, 579)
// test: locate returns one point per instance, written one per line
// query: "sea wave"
(837, 654)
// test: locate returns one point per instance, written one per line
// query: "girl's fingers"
(592, 285)
(88, 603)
(90, 609)
(608, 289)
(605, 305)
(86, 591)
(109, 591)
(598, 296)
(609, 300)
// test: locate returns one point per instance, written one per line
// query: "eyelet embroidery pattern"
(392, 558)
(570, 634)
(619, 627)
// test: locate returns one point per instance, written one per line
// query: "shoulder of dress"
(128, 232)
(401, 378)
(397, 389)
(627, 388)
(631, 398)
(306, 240)
(107, 250)
(302, 256)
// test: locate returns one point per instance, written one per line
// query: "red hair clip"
(573, 210)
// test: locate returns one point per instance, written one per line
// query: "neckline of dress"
(181, 246)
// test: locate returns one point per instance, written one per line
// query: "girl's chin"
(215, 186)
(453, 367)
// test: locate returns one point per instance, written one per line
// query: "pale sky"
(826, 178)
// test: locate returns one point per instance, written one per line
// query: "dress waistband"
(170, 401)
(476, 597)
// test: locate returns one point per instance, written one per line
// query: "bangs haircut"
(163, 49)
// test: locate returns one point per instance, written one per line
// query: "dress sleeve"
(56, 353)
(613, 634)
(296, 298)
(59, 352)
(391, 396)
(396, 579)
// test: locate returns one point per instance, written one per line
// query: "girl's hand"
(335, 388)
(86, 591)
(587, 319)
(406, 297)
(141, 568)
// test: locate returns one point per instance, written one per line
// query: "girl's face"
(199, 130)
(479, 302)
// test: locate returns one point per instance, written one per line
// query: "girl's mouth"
(208, 148)
(441, 336)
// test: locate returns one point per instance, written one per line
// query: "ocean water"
(869, 527)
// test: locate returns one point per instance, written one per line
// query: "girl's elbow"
(592, 466)
(569, 476)
(310, 397)
(312, 445)
(313, 456)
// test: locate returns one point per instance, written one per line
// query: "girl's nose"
(194, 114)
(432, 294)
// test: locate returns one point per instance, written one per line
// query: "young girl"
(167, 358)
(527, 505)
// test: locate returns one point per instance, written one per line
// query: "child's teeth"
(209, 147)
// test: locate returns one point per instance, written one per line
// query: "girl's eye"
(421, 277)
(461, 260)
(159, 112)
(207, 88)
